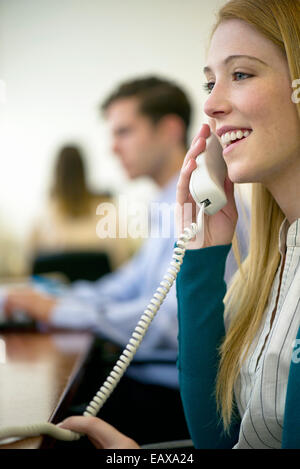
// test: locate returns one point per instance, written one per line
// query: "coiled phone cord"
(128, 353)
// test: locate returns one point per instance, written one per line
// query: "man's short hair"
(157, 98)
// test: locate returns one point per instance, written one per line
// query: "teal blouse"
(200, 290)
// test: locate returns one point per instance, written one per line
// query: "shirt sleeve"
(200, 291)
(112, 306)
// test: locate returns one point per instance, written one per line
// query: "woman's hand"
(100, 433)
(218, 228)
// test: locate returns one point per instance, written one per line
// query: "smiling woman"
(244, 71)
(253, 59)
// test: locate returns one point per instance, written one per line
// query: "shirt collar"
(289, 235)
(167, 194)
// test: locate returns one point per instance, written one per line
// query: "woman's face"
(250, 94)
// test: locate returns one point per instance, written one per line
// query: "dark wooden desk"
(38, 378)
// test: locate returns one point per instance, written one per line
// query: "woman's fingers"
(102, 434)
(188, 167)
(183, 191)
(197, 146)
(183, 195)
(204, 132)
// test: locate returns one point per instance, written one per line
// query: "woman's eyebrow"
(230, 58)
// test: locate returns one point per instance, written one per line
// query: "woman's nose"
(217, 103)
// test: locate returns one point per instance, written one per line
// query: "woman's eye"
(238, 76)
(241, 76)
(208, 86)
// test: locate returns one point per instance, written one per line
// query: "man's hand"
(37, 305)
(100, 433)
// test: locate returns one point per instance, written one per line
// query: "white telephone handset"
(206, 187)
(207, 180)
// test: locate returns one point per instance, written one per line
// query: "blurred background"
(58, 60)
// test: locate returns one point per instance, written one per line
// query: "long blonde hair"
(279, 21)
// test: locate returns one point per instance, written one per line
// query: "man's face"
(136, 140)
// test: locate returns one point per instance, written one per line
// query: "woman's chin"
(237, 176)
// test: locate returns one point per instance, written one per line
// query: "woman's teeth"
(230, 137)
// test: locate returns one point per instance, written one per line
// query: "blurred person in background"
(69, 220)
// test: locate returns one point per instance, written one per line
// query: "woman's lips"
(232, 145)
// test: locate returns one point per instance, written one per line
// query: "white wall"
(59, 58)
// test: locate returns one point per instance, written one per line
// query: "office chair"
(83, 265)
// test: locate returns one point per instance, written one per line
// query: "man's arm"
(40, 306)
(112, 306)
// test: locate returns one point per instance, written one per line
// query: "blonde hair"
(279, 21)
